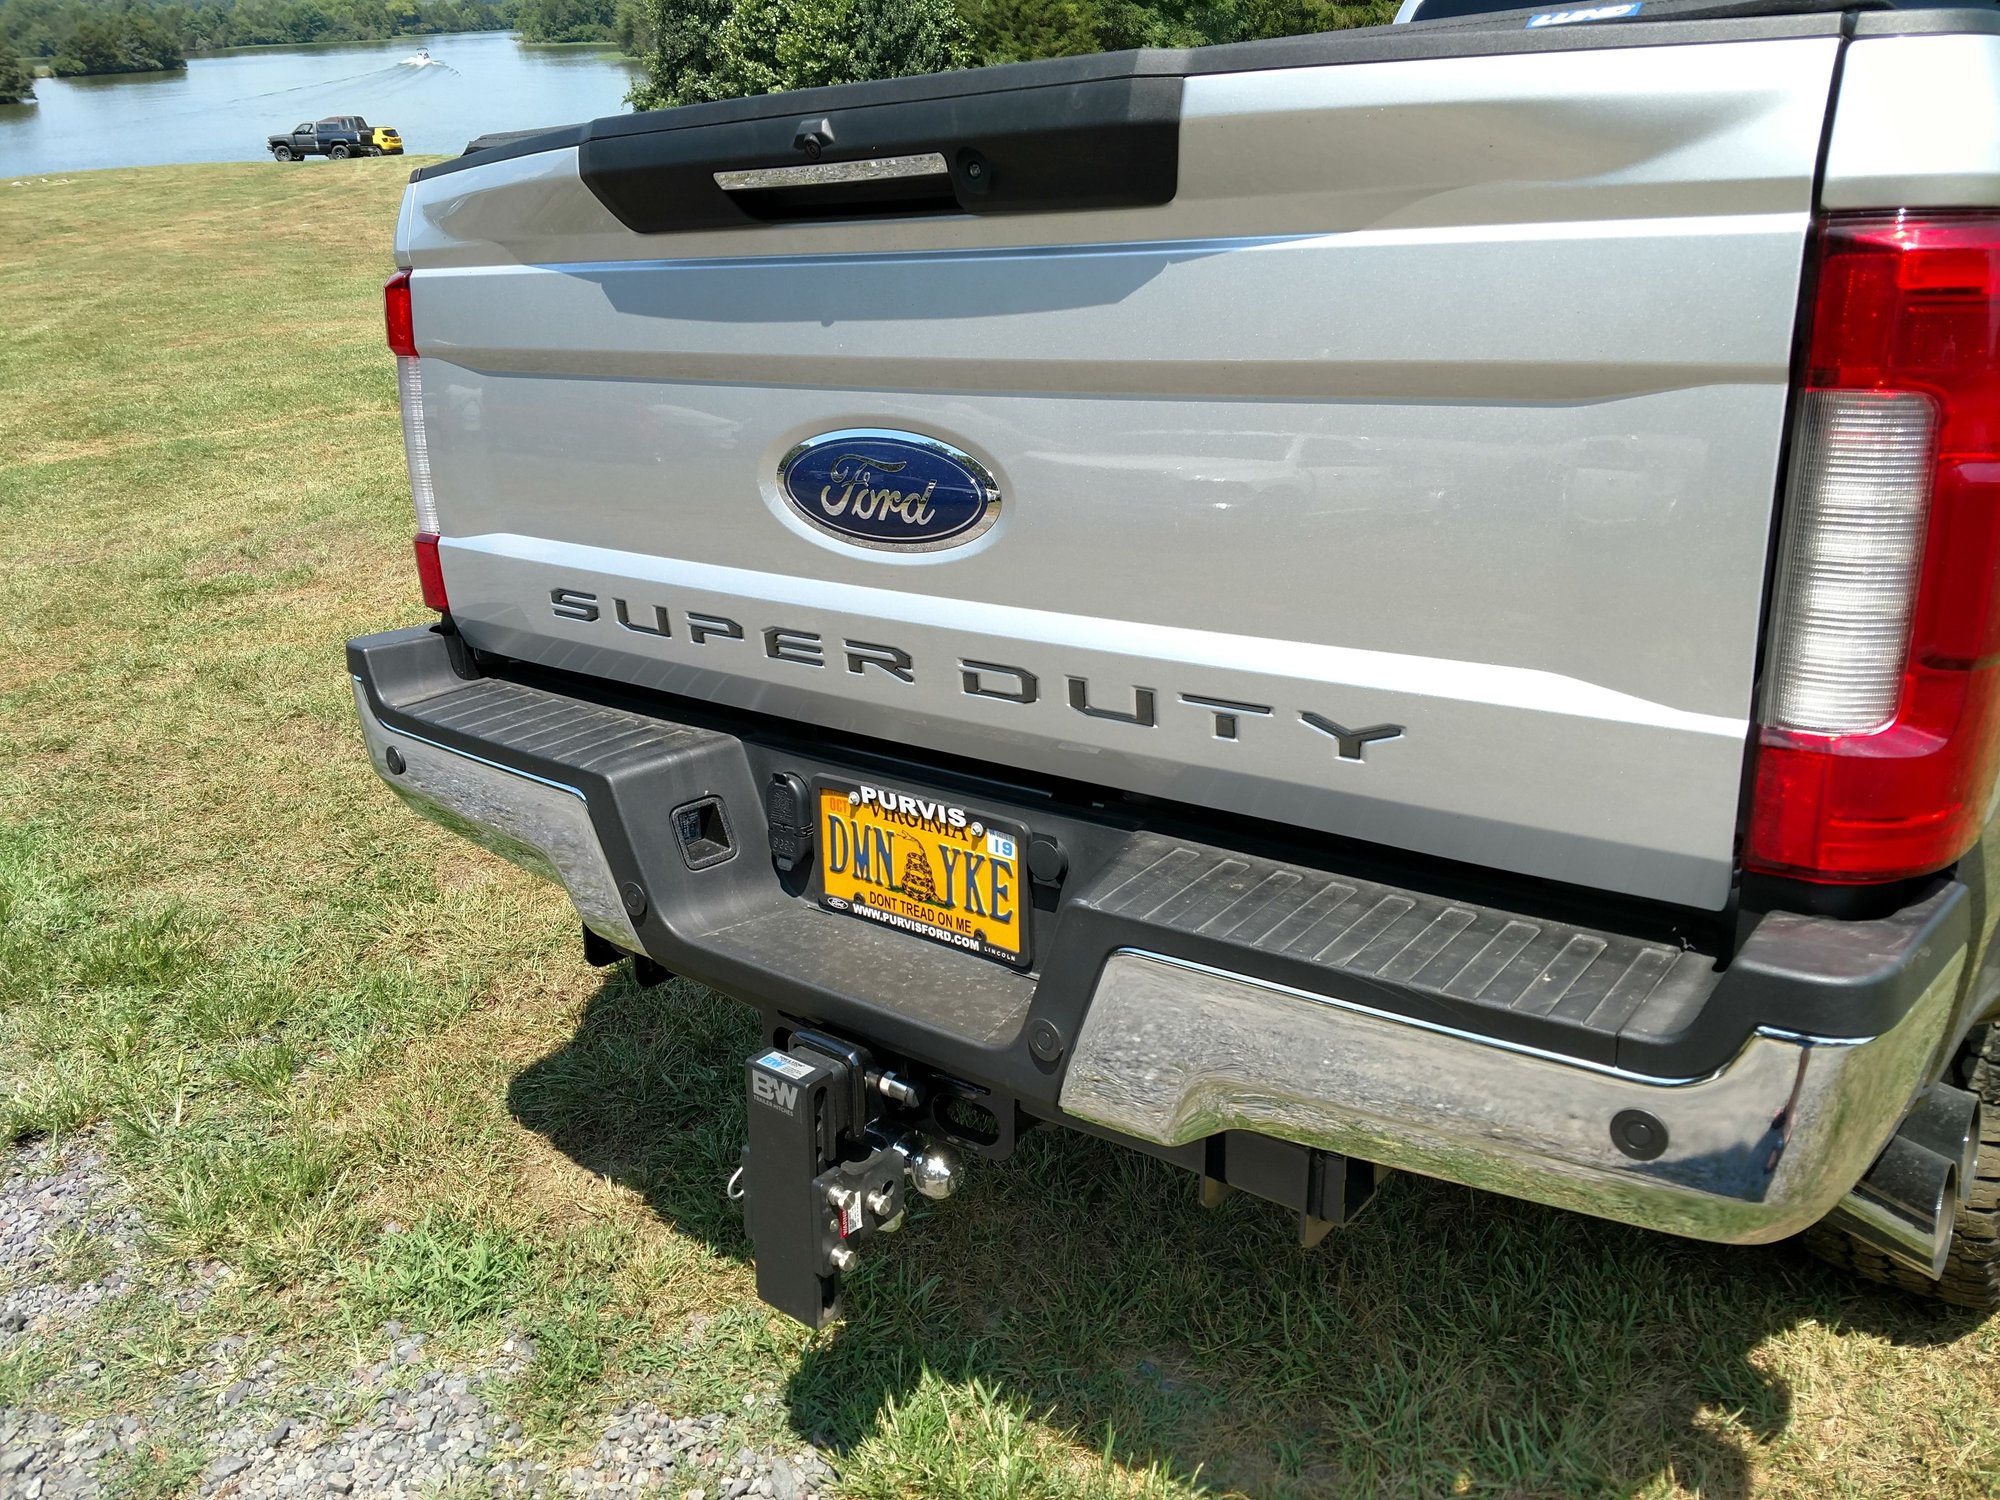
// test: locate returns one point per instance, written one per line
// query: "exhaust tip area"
(1906, 1204)
(1947, 1121)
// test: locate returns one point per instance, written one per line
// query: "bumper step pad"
(1377, 944)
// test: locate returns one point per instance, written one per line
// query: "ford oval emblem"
(899, 491)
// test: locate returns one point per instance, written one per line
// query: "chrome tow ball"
(935, 1168)
(826, 1167)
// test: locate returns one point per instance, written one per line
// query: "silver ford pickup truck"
(1420, 598)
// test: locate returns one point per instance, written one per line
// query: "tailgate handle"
(914, 184)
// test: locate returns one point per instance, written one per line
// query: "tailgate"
(1385, 444)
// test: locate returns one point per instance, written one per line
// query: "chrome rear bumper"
(1168, 1052)
(539, 824)
(1172, 1052)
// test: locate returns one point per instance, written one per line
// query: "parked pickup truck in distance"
(1418, 599)
(337, 137)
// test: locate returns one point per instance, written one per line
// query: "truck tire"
(336, 152)
(283, 153)
(1972, 1272)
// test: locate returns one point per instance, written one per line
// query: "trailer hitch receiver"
(824, 1168)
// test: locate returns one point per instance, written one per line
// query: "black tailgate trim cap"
(1105, 143)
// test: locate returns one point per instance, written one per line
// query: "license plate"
(924, 866)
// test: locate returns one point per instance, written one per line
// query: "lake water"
(224, 105)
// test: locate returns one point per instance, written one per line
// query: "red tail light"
(396, 313)
(416, 448)
(1879, 739)
(430, 573)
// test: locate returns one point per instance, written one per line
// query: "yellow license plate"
(924, 866)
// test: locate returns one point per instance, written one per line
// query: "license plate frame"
(943, 918)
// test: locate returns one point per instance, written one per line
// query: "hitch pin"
(896, 1090)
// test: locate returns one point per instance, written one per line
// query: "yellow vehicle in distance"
(387, 141)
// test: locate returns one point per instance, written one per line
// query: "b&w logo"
(774, 1092)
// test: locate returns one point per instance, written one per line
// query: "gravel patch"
(404, 1424)
(432, 1427)
(54, 1199)
(56, 1202)
(645, 1451)
(41, 1458)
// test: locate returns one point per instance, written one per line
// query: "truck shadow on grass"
(1446, 1342)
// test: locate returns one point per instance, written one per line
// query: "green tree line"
(90, 36)
(17, 79)
(581, 21)
(253, 23)
(123, 36)
(692, 49)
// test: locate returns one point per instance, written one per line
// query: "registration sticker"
(923, 866)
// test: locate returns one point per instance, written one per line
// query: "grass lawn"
(359, 1070)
